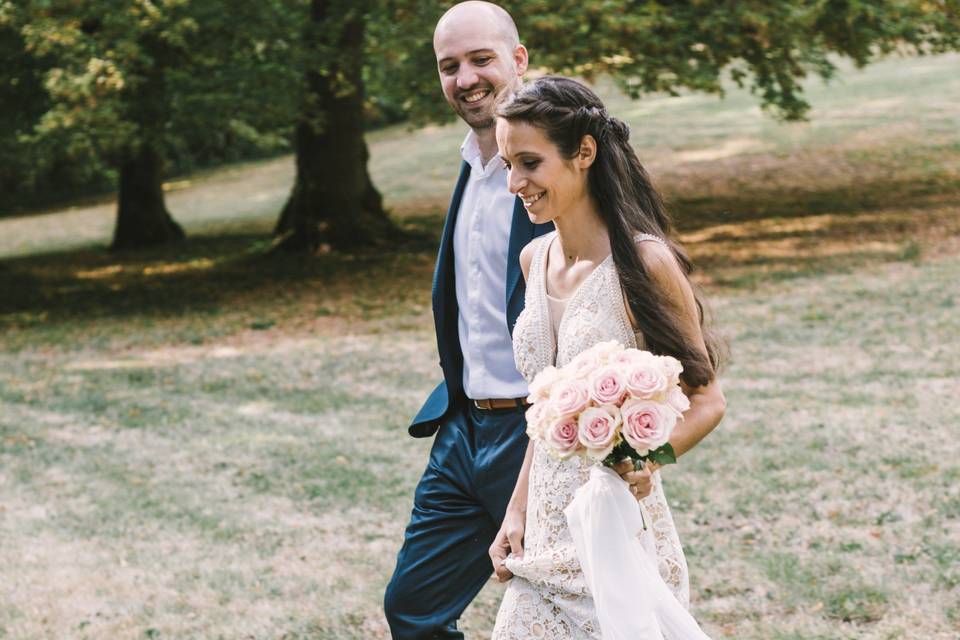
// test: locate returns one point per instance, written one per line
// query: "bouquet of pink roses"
(609, 403)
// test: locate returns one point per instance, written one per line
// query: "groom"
(477, 412)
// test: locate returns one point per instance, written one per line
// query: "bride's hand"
(641, 482)
(509, 540)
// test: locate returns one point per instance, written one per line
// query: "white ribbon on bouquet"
(632, 600)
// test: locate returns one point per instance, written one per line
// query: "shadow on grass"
(210, 274)
(738, 238)
(750, 200)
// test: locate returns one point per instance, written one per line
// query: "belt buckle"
(483, 405)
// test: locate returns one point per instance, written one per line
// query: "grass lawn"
(201, 442)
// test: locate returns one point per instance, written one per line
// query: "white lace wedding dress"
(548, 597)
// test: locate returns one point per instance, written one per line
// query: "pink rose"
(584, 364)
(627, 358)
(597, 430)
(645, 381)
(647, 425)
(678, 400)
(537, 415)
(605, 352)
(671, 368)
(561, 437)
(569, 397)
(607, 386)
(540, 387)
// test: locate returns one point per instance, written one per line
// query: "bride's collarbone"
(565, 276)
(563, 281)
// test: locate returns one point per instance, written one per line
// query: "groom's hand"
(641, 482)
(509, 540)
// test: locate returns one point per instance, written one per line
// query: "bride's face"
(549, 184)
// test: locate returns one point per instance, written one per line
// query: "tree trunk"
(333, 201)
(142, 216)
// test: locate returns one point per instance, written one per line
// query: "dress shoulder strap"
(641, 237)
(535, 275)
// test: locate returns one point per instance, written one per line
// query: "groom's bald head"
(484, 16)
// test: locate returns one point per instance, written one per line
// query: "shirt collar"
(470, 151)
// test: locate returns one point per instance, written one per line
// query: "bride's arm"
(707, 406)
(707, 403)
(510, 537)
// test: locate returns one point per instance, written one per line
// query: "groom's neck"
(487, 141)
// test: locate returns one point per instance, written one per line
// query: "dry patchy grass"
(258, 486)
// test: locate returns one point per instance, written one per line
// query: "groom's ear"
(587, 152)
(521, 59)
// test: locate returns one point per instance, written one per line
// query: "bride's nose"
(515, 183)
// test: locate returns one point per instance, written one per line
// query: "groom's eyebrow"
(469, 53)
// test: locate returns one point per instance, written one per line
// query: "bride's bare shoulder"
(527, 254)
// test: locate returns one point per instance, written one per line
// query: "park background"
(205, 379)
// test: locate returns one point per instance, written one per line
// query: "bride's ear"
(587, 152)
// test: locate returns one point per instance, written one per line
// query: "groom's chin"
(479, 122)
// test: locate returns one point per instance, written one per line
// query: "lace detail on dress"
(548, 597)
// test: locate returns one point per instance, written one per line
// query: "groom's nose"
(466, 77)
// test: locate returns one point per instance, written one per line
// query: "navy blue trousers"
(457, 510)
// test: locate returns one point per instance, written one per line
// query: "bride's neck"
(582, 234)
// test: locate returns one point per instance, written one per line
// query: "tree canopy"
(92, 85)
(668, 46)
(196, 80)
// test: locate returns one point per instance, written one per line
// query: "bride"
(610, 271)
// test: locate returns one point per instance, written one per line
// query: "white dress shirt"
(480, 243)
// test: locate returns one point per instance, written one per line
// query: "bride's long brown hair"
(628, 204)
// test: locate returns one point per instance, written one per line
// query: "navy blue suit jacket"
(449, 393)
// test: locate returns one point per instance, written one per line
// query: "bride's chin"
(539, 217)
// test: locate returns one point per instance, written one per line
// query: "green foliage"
(201, 81)
(213, 80)
(663, 46)
(662, 455)
(28, 166)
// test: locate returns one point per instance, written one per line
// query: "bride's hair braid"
(628, 203)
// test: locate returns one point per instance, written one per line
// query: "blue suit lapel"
(521, 232)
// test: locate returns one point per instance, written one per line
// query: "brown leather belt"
(501, 403)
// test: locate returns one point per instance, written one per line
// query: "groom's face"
(476, 64)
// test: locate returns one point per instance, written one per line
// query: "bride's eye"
(531, 164)
(506, 165)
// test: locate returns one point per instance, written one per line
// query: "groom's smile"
(475, 96)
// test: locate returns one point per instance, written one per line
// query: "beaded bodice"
(594, 313)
